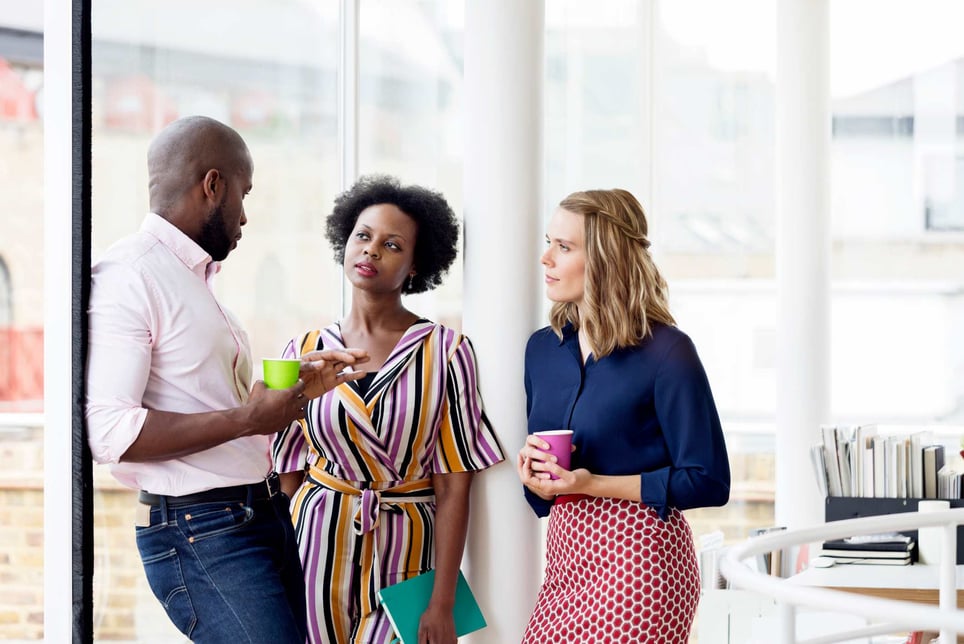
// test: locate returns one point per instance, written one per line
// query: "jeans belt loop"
(273, 483)
(162, 508)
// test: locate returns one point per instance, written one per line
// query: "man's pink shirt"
(159, 339)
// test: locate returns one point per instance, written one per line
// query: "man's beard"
(214, 235)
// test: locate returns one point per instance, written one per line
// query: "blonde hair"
(624, 291)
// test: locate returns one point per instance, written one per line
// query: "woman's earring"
(408, 287)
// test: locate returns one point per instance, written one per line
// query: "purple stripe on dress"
(291, 351)
(413, 336)
(332, 338)
(398, 541)
(308, 540)
(334, 443)
(397, 417)
(466, 362)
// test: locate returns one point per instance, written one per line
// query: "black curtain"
(82, 520)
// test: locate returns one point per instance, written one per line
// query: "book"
(883, 542)
(933, 462)
(918, 440)
(842, 436)
(868, 561)
(894, 445)
(863, 437)
(902, 468)
(405, 602)
(880, 471)
(819, 468)
(769, 562)
(865, 554)
(949, 482)
(830, 458)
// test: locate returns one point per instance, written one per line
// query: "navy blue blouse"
(645, 410)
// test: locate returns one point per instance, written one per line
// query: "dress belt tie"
(369, 504)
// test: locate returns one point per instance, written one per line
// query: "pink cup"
(560, 446)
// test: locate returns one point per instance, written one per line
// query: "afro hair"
(438, 231)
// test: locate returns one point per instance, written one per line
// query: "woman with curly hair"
(379, 470)
(613, 368)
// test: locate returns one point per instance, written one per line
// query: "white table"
(916, 582)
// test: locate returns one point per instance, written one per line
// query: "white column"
(802, 252)
(502, 297)
(58, 493)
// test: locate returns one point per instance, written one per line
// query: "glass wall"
(410, 112)
(268, 69)
(641, 96)
(898, 213)
(675, 101)
(21, 321)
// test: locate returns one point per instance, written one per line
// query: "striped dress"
(365, 516)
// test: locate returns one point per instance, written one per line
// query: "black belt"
(255, 491)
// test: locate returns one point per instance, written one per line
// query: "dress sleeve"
(699, 473)
(466, 440)
(289, 449)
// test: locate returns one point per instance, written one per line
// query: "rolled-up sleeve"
(118, 360)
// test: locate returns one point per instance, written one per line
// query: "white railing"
(890, 615)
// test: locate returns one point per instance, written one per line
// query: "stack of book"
(891, 549)
(859, 461)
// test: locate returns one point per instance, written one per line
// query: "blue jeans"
(227, 572)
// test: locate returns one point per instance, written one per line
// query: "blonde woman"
(613, 368)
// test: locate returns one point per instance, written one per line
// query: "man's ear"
(211, 184)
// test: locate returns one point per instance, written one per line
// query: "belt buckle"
(273, 483)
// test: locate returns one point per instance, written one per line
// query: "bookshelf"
(838, 508)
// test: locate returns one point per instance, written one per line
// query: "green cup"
(280, 373)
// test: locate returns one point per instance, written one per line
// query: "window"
(410, 113)
(897, 209)
(269, 70)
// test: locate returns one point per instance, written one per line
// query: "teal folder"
(405, 602)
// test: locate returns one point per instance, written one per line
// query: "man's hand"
(324, 370)
(271, 410)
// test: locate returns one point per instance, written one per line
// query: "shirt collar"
(569, 334)
(185, 248)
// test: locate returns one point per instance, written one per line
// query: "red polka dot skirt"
(615, 574)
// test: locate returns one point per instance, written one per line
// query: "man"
(171, 407)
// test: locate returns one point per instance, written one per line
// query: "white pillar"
(58, 492)
(802, 252)
(503, 224)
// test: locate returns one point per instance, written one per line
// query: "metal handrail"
(894, 614)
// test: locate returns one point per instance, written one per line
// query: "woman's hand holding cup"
(542, 452)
